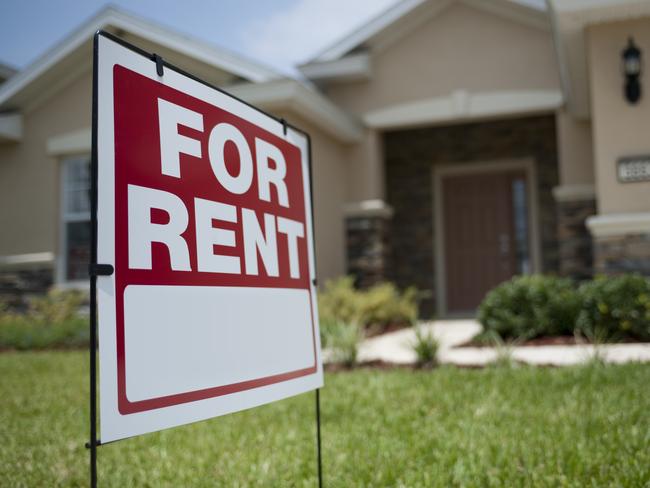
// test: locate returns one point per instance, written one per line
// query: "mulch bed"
(546, 341)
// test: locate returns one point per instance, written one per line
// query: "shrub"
(50, 321)
(384, 305)
(342, 340)
(378, 307)
(530, 306)
(426, 348)
(617, 307)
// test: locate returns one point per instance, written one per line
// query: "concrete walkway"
(395, 348)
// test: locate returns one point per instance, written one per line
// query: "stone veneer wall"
(16, 285)
(574, 239)
(409, 159)
(629, 253)
(367, 248)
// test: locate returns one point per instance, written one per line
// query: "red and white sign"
(204, 211)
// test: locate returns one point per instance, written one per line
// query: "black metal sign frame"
(96, 269)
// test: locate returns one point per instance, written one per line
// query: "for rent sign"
(204, 210)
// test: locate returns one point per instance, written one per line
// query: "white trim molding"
(289, 94)
(368, 208)
(619, 224)
(354, 67)
(28, 260)
(574, 193)
(462, 105)
(79, 141)
(11, 127)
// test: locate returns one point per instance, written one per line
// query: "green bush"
(378, 307)
(530, 306)
(50, 321)
(342, 341)
(618, 306)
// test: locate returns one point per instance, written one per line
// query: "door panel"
(485, 234)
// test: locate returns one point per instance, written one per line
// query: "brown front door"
(485, 234)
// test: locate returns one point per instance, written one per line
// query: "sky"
(278, 33)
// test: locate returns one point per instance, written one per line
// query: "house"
(456, 143)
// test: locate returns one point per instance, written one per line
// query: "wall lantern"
(632, 67)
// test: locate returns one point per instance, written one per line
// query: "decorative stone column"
(25, 275)
(575, 204)
(621, 243)
(367, 241)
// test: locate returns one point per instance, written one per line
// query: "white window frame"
(65, 218)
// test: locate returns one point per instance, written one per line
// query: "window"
(520, 210)
(75, 217)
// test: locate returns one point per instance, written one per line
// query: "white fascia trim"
(192, 48)
(112, 17)
(603, 10)
(367, 30)
(11, 127)
(619, 224)
(561, 55)
(27, 260)
(348, 68)
(517, 12)
(462, 105)
(574, 193)
(368, 208)
(306, 102)
(70, 143)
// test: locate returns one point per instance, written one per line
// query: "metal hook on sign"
(284, 126)
(159, 64)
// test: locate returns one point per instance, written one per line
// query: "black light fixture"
(632, 67)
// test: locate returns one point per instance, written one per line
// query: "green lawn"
(587, 426)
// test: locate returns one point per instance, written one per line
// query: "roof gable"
(406, 15)
(74, 53)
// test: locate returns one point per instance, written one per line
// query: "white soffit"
(288, 94)
(461, 106)
(77, 47)
(349, 68)
(11, 127)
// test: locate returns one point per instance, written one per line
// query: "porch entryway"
(414, 234)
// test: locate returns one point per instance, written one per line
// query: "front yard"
(575, 426)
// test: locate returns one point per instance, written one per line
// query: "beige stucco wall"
(330, 181)
(461, 48)
(29, 178)
(620, 129)
(575, 148)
